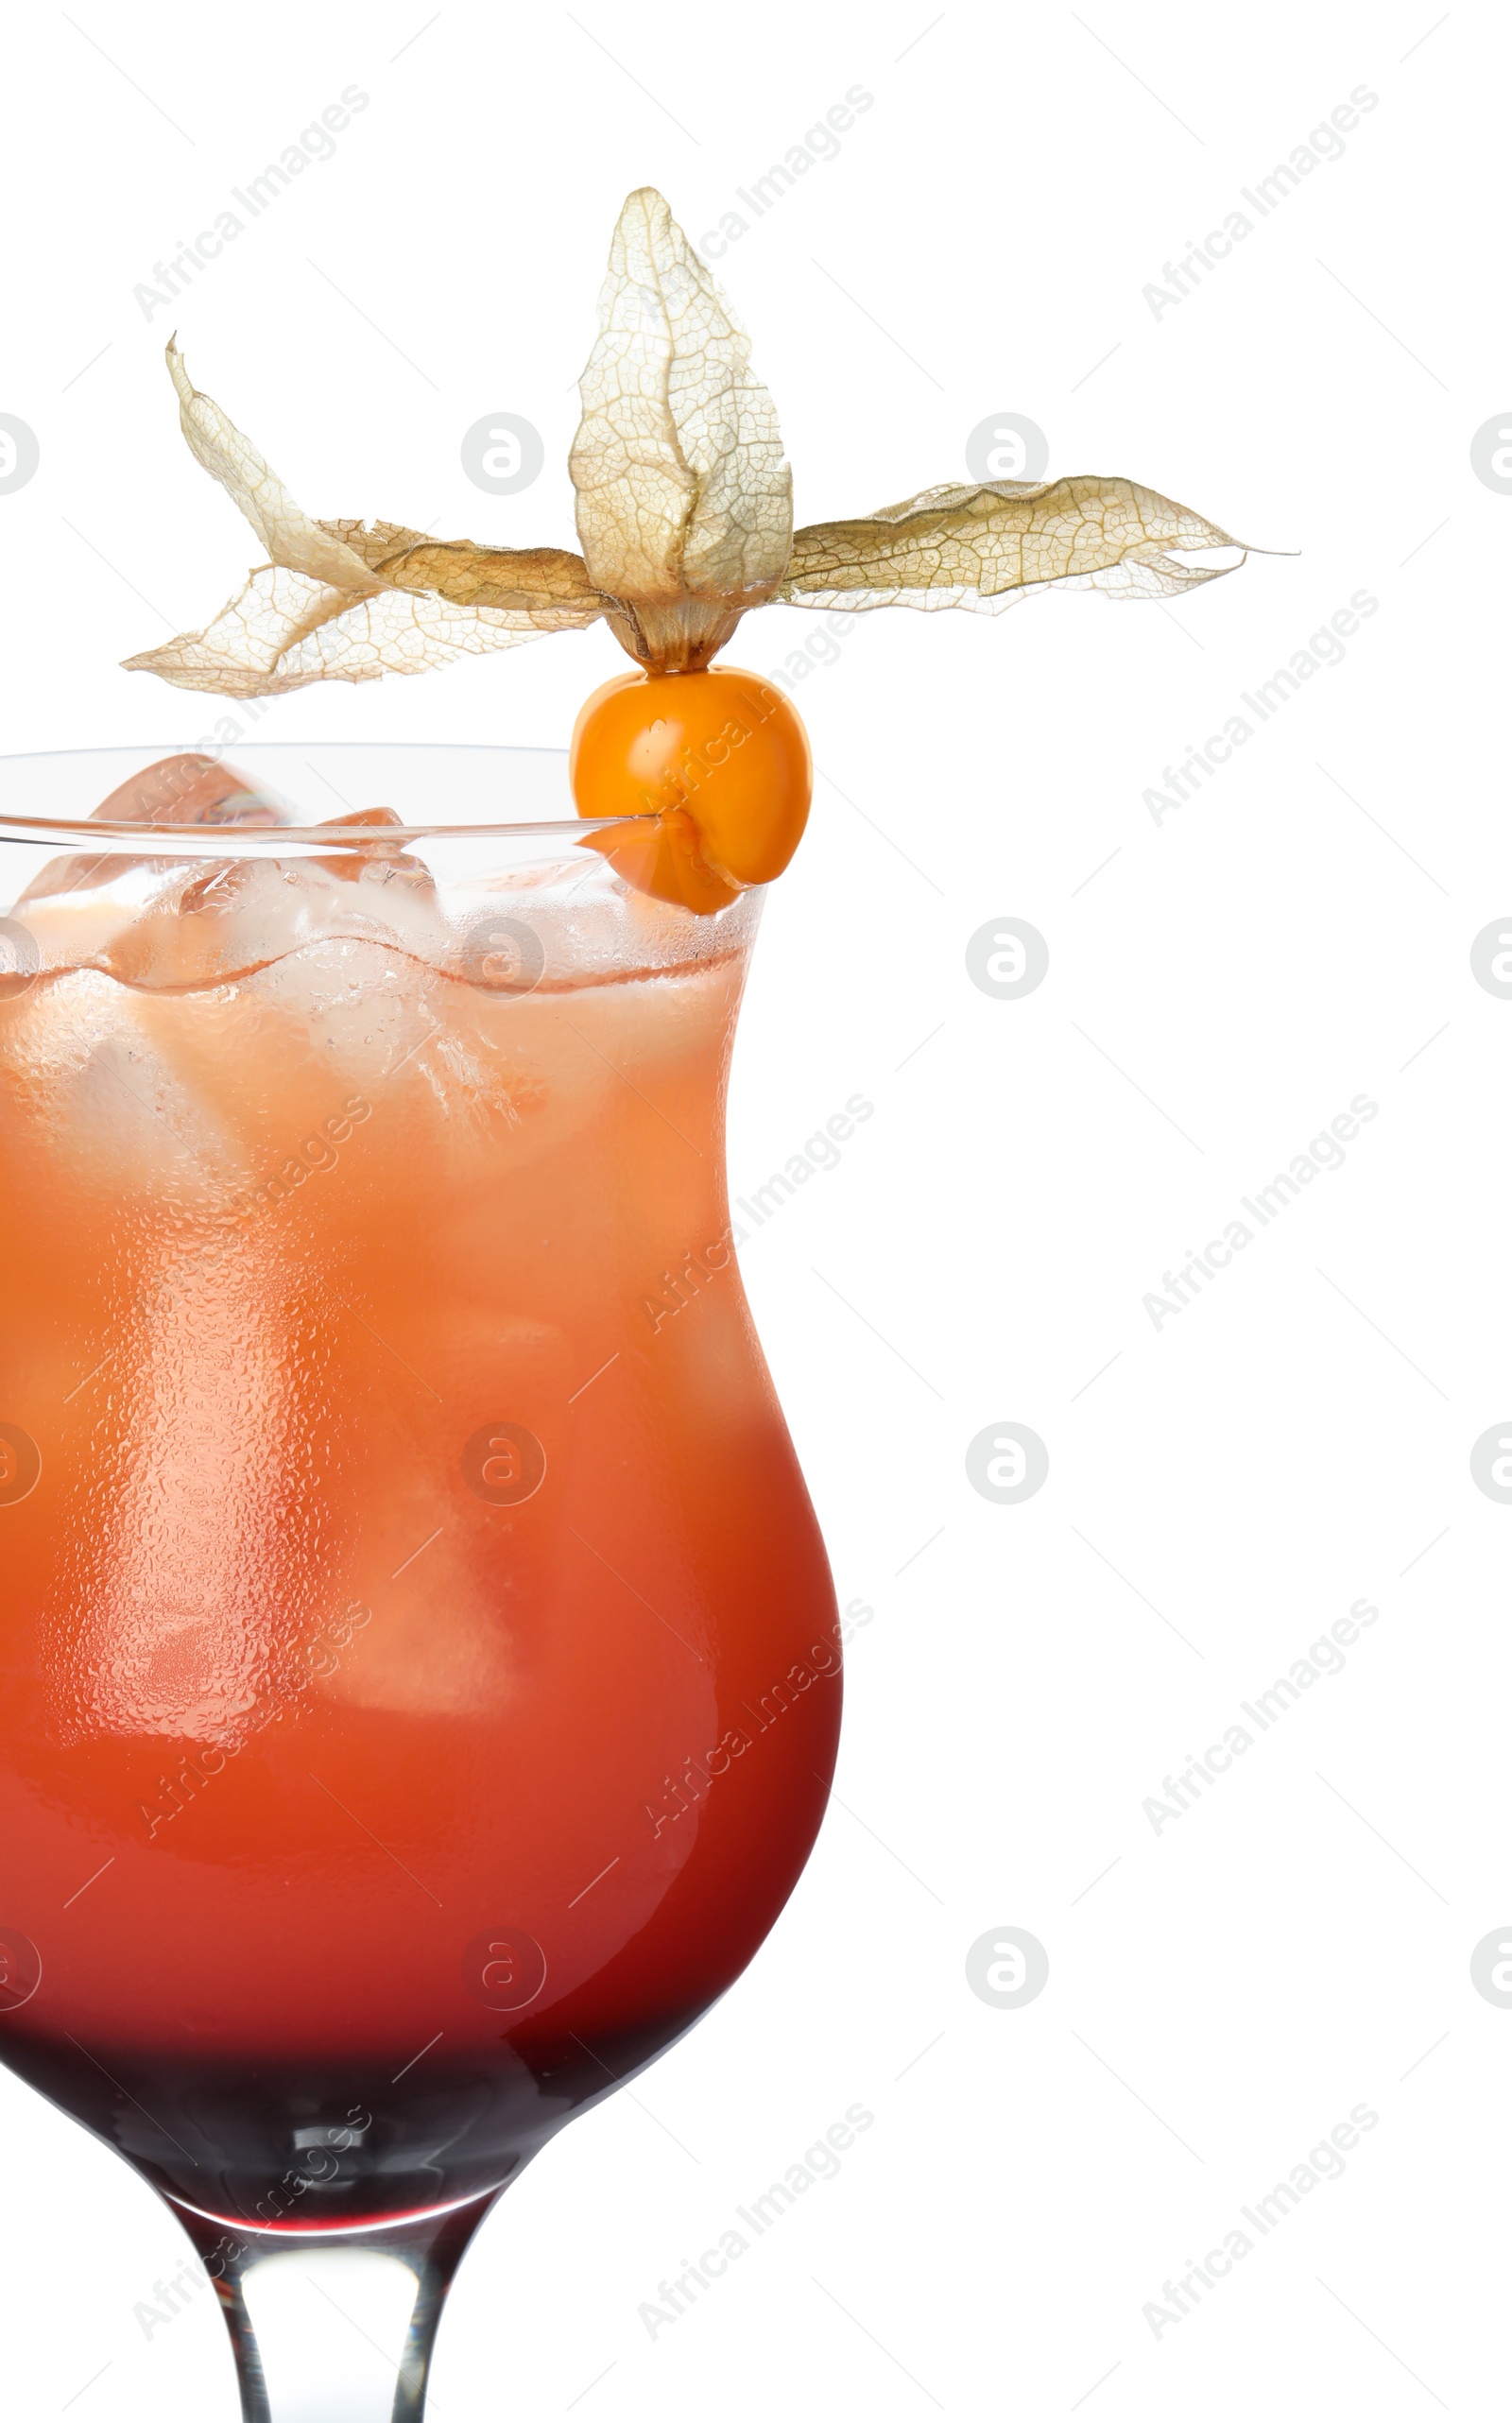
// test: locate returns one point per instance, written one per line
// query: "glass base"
(333, 2326)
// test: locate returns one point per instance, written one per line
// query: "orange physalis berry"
(719, 758)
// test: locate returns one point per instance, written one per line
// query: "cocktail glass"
(420, 1676)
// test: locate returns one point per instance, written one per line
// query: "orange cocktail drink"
(417, 1633)
(417, 1656)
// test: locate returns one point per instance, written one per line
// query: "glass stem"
(333, 2326)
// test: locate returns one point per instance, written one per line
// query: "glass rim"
(238, 840)
(234, 839)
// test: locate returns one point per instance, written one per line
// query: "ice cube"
(174, 924)
(379, 861)
(189, 790)
(220, 920)
(186, 789)
(104, 1091)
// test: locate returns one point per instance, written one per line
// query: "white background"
(1221, 1489)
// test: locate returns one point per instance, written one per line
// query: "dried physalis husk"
(684, 512)
(987, 547)
(340, 602)
(684, 494)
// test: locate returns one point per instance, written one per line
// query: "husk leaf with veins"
(684, 513)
